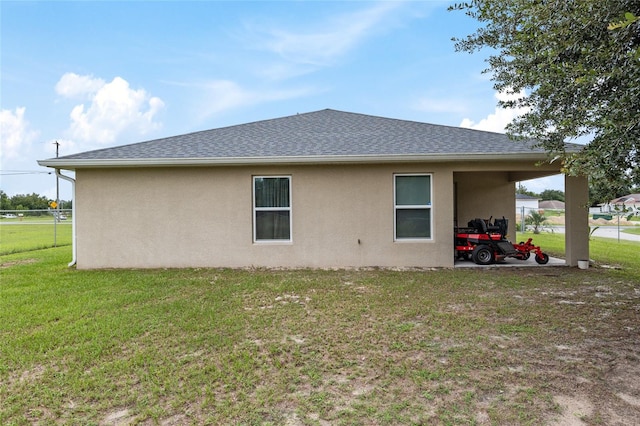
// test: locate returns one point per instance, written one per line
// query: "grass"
(16, 237)
(635, 231)
(551, 212)
(605, 251)
(222, 346)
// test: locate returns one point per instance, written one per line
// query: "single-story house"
(627, 200)
(624, 205)
(528, 202)
(628, 203)
(319, 189)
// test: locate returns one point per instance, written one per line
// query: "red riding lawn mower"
(486, 243)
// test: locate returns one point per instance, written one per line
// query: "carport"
(483, 194)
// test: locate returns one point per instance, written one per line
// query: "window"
(272, 208)
(412, 207)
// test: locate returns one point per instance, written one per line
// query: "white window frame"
(428, 206)
(258, 209)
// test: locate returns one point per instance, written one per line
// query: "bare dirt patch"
(118, 418)
(575, 408)
(17, 262)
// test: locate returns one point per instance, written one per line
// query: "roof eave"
(72, 164)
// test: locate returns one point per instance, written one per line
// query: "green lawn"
(18, 237)
(223, 346)
(632, 231)
(603, 250)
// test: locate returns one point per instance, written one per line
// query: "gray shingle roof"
(321, 134)
(525, 197)
(551, 204)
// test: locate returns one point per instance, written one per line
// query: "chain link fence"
(27, 230)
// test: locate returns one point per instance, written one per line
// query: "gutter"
(74, 249)
(72, 164)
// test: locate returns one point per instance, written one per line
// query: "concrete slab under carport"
(510, 262)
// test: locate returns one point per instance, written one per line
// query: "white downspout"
(73, 216)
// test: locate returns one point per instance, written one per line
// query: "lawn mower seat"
(502, 225)
(479, 225)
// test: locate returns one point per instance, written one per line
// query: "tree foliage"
(521, 189)
(5, 203)
(579, 65)
(552, 194)
(28, 202)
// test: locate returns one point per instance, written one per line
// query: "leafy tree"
(521, 189)
(552, 194)
(600, 192)
(30, 202)
(5, 202)
(579, 64)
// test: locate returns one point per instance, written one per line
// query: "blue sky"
(98, 74)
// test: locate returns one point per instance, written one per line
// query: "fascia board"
(72, 164)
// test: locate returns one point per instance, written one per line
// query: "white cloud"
(72, 85)
(223, 95)
(498, 120)
(540, 184)
(112, 108)
(15, 134)
(334, 38)
(441, 105)
(281, 71)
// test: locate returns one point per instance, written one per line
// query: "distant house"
(551, 205)
(320, 189)
(630, 200)
(627, 203)
(527, 202)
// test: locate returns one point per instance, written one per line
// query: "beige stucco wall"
(181, 217)
(342, 215)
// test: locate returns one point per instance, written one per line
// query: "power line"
(23, 172)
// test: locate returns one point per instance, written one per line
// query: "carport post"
(576, 219)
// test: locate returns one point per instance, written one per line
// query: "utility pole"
(56, 215)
